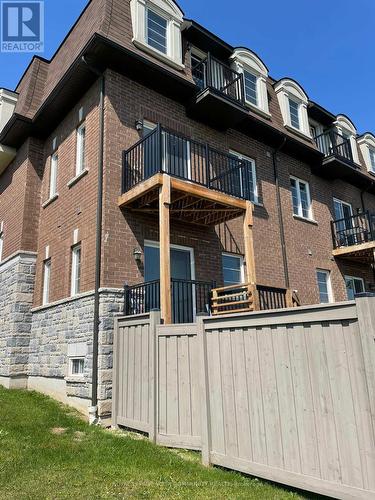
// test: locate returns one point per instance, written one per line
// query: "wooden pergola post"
(165, 258)
(249, 243)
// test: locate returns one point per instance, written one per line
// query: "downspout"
(93, 410)
(280, 213)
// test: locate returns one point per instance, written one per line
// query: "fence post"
(204, 392)
(366, 322)
(115, 374)
(153, 401)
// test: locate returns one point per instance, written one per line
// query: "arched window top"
(168, 7)
(292, 88)
(345, 123)
(157, 29)
(368, 139)
(250, 60)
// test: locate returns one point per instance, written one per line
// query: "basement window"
(76, 366)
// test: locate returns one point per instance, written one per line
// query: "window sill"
(258, 110)
(298, 132)
(78, 379)
(78, 177)
(159, 55)
(305, 219)
(51, 200)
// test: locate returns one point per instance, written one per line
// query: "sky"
(328, 46)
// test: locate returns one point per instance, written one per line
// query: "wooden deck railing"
(251, 297)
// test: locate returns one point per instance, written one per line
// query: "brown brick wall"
(19, 199)
(309, 246)
(75, 207)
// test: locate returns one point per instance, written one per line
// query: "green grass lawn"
(47, 451)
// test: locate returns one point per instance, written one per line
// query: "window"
(77, 366)
(46, 280)
(372, 159)
(294, 113)
(301, 198)
(354, 286)
(251, 93)
(346, 129)
(76, 270)
(80, 155)
(156, 31)
(198, 68)
(367, 146)
(53, 175)
(324, 286)
(157, 28)
(245, 177)
(232, 269)
(255, 75)
(293, 103)
(1, 241)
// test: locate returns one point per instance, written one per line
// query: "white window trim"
(287, 89)
(331, 298)
(80, 150)
(74, 271)
(242, 264)
(355, 278)
(46, 281)
(343, 124)
(54, 165)
(300, 214)
(253, 173)
(367, 144)
(174, 17)
(71, 362)
(245, 60)
(337, 200)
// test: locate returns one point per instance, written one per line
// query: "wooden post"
(289, 298)
(249, 243)
(165, 257)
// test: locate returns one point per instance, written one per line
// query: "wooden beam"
(140, 190)
(354, 249)
(249, 243)
(165, 259)
(207, 193)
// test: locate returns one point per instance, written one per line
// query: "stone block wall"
(17, 278)
(60, 326)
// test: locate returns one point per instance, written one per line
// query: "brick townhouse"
(146, 132)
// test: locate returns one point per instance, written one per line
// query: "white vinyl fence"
(285, 395)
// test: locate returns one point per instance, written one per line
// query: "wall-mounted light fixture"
(139, 125)
(137, 254)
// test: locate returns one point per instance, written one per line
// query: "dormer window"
(255, 75)
(367, 146)
(157, 29)
(293, 105)
(294, 113)
(346, 129)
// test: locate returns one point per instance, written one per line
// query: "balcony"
(221, 98)
(190, 298)
(209, 186)
(354, 237)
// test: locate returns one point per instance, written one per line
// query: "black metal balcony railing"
(354, 230)
(213, 74)
(333, 144)
(189, 297)
(166, 152)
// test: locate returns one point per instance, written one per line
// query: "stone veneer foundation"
(17, 278)
(35, 344)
